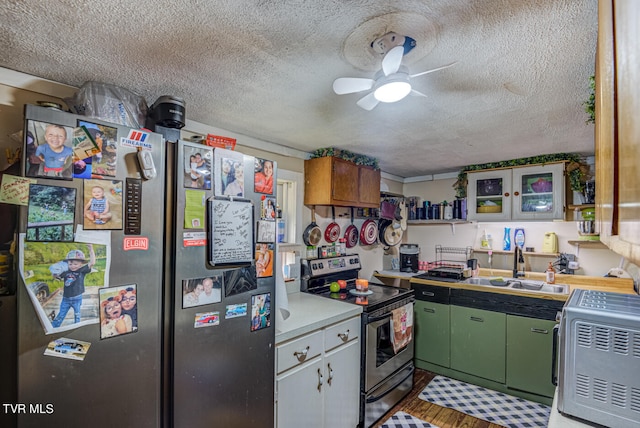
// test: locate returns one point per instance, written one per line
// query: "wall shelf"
(577, 207)
(432, 222)
(526, 253)
(585, 243)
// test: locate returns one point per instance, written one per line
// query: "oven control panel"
(331, 265)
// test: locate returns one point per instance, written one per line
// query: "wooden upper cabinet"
(617, 128)
(369, 181)
(333, 181)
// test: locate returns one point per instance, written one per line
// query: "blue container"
(506, 241)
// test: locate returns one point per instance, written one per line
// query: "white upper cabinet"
(524, 193)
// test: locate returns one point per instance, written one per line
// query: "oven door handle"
(378, 397)
(371, 320)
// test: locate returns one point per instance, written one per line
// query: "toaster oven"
(599, 358)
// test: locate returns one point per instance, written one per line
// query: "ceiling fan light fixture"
(392, 91)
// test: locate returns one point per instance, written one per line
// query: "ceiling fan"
(389, 85)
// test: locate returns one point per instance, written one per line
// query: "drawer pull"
(539, 330)
(319, 380)
(301, 355)
(477, 319)
(428, 293)
(430, 310)
(330, 374)
(344, 336)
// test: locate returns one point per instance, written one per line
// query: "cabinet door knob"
(506, 194)
(301, 355)
(344, 336)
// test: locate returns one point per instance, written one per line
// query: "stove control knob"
(320, 265)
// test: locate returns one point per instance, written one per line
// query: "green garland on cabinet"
(356, 158)
(577, 169)
(590, 104)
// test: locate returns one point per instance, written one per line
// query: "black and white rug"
(485, 404)
(405, 420)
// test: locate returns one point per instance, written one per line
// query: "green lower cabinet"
(529, 355)
(478, 339)
(432, 342)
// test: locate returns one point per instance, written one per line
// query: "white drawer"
(341, 333)
(298, 351)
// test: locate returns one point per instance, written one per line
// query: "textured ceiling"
(265, 69)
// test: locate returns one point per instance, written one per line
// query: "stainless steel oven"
(386, 375)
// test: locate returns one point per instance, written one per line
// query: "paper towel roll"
(282, 301)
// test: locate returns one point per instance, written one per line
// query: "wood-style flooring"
(436, 415)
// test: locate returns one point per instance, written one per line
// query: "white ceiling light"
(392, 88)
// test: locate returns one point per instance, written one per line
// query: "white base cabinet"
(318, 378)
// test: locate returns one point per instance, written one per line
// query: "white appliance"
(599, 366)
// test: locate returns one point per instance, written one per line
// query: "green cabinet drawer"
(478, 340)
(432, 342)
(529, 355)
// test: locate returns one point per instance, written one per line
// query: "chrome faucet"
(518, 257)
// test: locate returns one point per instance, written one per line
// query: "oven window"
(384, 347)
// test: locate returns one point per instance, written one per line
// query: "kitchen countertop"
(616, 285)
(310, 313)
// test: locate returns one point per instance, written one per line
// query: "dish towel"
(402, 326)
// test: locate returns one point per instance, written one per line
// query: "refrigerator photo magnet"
(51, 213)
(118, 310)
(201, 291)
(228, 170)
(264, 260)
(102, 208)
(268, 208)
(241, 280)
(62, 280)
(197, 167)
(266, 231)
(49, 150)
(263, 173)
(104, 161)
(206, 319)
(260, 311)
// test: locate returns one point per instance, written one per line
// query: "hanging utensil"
(312, 234)
(332, 232)
(369, 232)
(351, 233)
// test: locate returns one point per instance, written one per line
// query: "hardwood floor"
(436, 415)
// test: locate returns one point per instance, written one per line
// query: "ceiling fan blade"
(368, 102)
(348, 85)
(433, 69)
(391, 61)
(419, 94)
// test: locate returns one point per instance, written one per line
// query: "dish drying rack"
(452, 257)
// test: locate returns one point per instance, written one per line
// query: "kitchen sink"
(520, 284)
